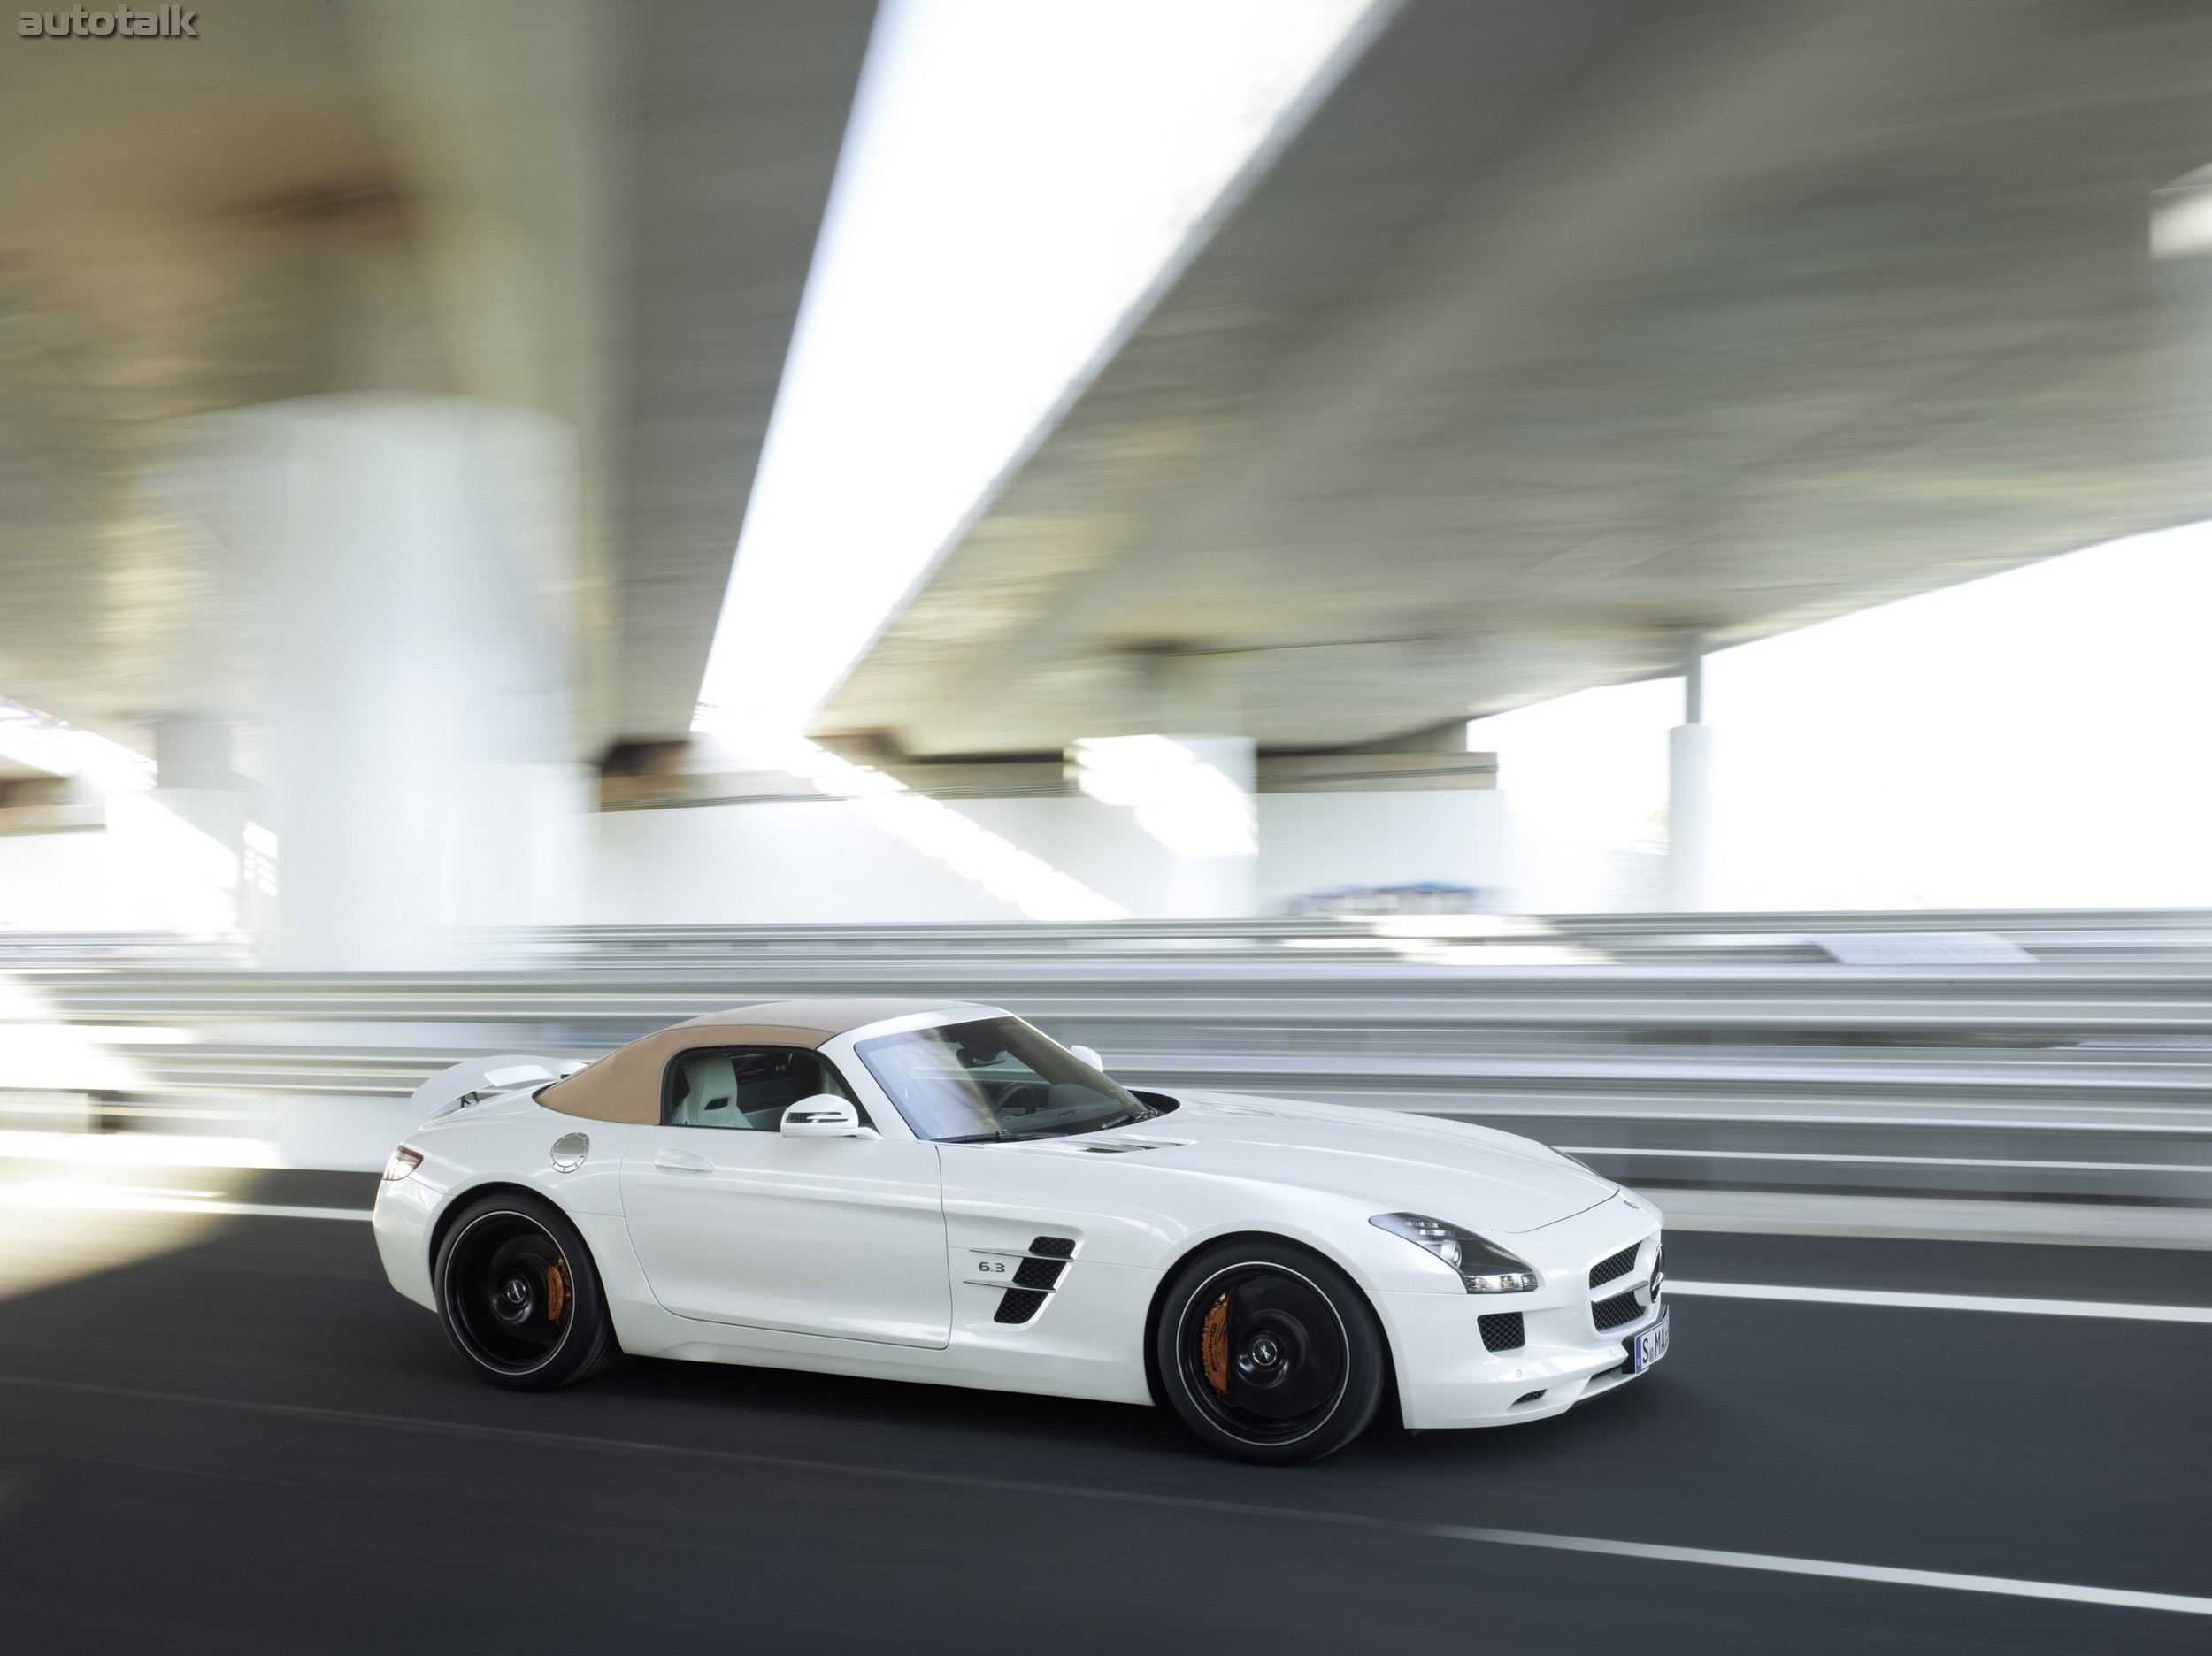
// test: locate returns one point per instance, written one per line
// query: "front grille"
(1039, 1273)
(1018, 1304)
(1610, 1313)
(1614, 1265)
(1053, 1246)
(1502, 1331)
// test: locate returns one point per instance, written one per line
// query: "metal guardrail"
(2050, 936)
(1663, 1054)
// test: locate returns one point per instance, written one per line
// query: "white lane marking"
(270, 1210)
(2008, 1585)
(122, 1198)
(1889, 1160)
(139, 1149)
(1887, 1574)
(1942, 1301)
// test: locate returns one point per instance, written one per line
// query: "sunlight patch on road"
(45, 1243)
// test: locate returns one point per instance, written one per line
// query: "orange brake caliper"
(556, 1291)
(1213, 1347)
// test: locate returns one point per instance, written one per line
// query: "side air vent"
(1614, 1265)
(1018, 1304)
(1610, 1313)
(1502, 1331)
(1039, 1273)
(1527, 1397)
(1053, 1246)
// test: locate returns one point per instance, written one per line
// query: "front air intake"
(1503, 1330)
(1610, 1313)
(1614, 1265)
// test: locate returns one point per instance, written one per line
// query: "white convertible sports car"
(918, 1190)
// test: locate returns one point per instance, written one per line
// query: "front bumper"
(1448, 1377)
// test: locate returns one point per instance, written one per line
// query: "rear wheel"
(1269, 1353)
(519, 1297)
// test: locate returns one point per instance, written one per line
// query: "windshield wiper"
(1007, 1135)
(1143, 1113)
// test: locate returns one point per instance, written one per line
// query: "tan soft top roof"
(625, 1085)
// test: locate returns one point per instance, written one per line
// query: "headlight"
(404, 1161)
(1483, 1266)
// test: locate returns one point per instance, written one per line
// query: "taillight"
(404, 1161)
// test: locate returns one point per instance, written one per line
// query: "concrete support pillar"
(2181, 250)
(415, 548)
(193, 752)
(1194, 853)
(1690, 795)
(182, 842)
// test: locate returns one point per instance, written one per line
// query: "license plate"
(1648, 1348)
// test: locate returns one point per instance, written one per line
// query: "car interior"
(747, 1087)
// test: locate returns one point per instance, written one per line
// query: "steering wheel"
(1024, 1097)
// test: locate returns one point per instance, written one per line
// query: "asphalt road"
(250, 1443)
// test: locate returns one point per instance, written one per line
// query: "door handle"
(681, 1161)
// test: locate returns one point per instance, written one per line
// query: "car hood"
(1473, 1176)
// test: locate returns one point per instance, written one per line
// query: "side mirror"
(824, 1115)
(1089, 1055)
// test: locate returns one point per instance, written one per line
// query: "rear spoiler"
(479, 1078)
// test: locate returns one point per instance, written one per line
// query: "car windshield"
(994, 1079)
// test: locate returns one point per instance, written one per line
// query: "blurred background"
(1208, 506)
(1634, 573)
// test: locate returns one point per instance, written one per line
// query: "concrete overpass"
(1558, 337)
(1566, 331)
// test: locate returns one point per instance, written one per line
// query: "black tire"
(1269, 1353)
(519, 1297)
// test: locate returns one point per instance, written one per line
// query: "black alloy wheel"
(519, 1297)
(1269, 1353)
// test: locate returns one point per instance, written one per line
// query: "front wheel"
(1269, 1353)
(519, 1297)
